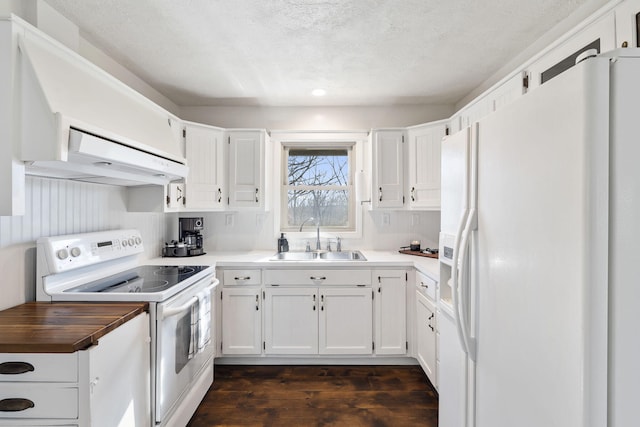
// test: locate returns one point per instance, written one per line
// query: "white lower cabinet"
(291, 320)
(106, 385)
(310, 320)
(390, 323)
(345, 321)
(426, 335)
(241, 320)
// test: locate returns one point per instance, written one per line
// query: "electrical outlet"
(386, 219)
(228, 220)
(415, 219)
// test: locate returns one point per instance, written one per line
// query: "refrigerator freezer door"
(542, 255)
(454, 181)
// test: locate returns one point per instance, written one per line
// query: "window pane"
(318, 167)
(331, 206)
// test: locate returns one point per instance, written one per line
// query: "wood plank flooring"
(351, 396)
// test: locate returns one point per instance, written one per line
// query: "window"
(318, 184)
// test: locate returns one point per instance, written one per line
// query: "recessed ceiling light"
(318, 92)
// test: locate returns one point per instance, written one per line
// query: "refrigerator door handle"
(464, 289)
(455, 277)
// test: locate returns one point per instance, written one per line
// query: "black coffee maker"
(190, 230)
(190, 239)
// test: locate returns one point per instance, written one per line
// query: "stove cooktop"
(142, 279)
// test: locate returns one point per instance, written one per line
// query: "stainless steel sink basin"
(343, 256)
(294, 256)
(319, 256)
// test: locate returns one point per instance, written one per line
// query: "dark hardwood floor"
(318, 396)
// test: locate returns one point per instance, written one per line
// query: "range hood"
(79, 122)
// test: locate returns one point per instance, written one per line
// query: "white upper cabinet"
(248, 168)
(424, 165)
(205, 185)
(388, 168)
(508, 91)
(599, 35)
(626, 23)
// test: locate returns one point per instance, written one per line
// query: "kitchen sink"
(343, 256)
(319, 256)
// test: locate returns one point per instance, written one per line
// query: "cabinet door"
(246, 173)
(205, 189)
(426, 329)
(291, 320)
(626, 24)
(119, 376)
(599, 33)
(424, 166)
(388, 169)
(507, 92)
(390, 311)
(345, 321)
(241, 321)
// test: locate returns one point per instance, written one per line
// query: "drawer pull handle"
(15, 405)
(15, 368)
(243, 278)
(318, 278)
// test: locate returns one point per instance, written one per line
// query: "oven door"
(182, 350)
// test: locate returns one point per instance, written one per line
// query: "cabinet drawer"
(317, 277)
(49, 400)
(242, 277)
(426, 285)
(61, 367)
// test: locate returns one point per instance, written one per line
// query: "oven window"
(184, 340)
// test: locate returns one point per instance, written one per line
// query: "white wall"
(41, 15)
(254, 231)
(317, 118)
(57, 207)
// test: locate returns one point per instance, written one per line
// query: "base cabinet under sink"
(302, 320)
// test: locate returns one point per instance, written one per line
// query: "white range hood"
(78, 122)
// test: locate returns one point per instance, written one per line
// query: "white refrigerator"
(540, 237)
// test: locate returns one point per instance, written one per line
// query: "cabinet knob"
(318, 278)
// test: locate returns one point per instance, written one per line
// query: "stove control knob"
(62, 254)
(138, 241)
(124, 242)
(131, 242)
(75, 252)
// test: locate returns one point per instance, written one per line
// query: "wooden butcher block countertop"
(62, 327)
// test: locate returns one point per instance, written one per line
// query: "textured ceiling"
(274, 52)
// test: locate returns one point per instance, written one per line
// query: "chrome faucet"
(318, 245)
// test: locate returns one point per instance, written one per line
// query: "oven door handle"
(177, 310)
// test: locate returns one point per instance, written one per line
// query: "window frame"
(361, 155)
(285, 187)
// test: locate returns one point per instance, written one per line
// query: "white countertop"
(260, 259)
